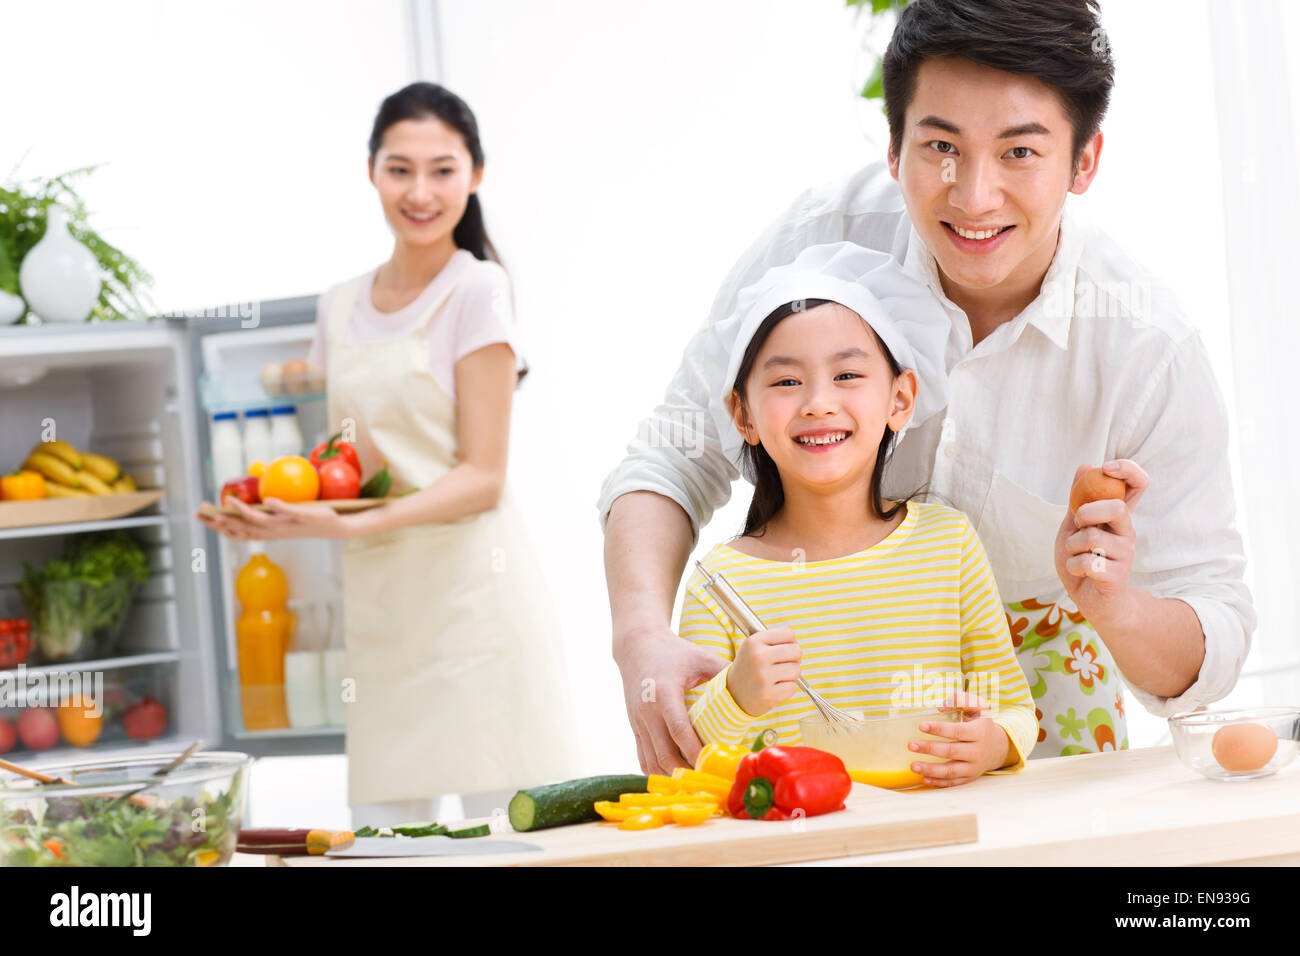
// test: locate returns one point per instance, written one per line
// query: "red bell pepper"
(780, 783)
(333, 448)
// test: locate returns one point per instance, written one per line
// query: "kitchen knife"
(363, 847)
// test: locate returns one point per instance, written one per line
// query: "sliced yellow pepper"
(719, 787)
(661, 784)
(663, 799)
(721, 760)
(692, 814)
(642, 821)
(614, 812)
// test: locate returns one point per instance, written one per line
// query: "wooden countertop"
(1127, 808)
(1132, 807)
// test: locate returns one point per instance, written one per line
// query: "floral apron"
(1071, 676)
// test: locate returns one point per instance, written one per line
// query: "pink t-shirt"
(476, 314)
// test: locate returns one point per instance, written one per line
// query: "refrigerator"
(145, 394)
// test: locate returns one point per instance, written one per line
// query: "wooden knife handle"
(292, 842)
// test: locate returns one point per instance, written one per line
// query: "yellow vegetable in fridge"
(93, 484)
(55, 469)
(60, 450)
(55, 490)
(124, 484)
(102, 467)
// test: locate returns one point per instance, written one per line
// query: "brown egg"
(1095, 485)
(1243, 746)
(295, 376)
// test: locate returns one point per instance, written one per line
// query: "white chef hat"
(901, 309)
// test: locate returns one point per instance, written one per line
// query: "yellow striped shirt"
(888, 627)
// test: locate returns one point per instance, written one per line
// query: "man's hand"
(765, 670)
(658, 669)
(1095, 548)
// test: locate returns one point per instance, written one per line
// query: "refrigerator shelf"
(325, 730)
(103, 664)
(80, 527)
(264, 402)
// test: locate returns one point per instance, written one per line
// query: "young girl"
(875, 603)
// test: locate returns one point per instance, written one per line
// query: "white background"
(633, 152)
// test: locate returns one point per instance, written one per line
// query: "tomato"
(290, 479)
(145, 719)
(335, 449)
(338, 479)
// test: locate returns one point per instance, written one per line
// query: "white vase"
(59, 276)
(11, 307)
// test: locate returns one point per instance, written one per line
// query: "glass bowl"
(1194, 732)
(876, 746)
(190, 818)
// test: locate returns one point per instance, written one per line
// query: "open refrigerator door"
(286, 700)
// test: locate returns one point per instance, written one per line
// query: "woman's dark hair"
(420, 100)
(769, 494)
(1061, 42)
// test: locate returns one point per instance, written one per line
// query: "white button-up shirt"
(1101, 365)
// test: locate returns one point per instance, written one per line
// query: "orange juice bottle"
(262, 635)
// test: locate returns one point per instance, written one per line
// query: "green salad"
(141, 831)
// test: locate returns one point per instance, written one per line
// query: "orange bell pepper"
(22, 486)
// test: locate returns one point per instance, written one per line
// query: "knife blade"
(429, 846)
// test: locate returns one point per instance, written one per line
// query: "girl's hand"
(974, 746)
(1095, 547)
(280, 520)
(765, 670)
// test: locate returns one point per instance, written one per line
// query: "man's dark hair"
(1061, 42)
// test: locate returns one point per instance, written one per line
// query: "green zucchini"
(560, 804)
(478, 831)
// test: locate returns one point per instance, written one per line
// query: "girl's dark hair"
(769, 495)
(1061, 42)
(420, 100)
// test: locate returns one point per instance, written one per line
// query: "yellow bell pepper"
(22, 486)
(692, 814)
(616, 812)
(661, 784)
(642, 821)
(710, 783)
(721, 760)
(663, 799)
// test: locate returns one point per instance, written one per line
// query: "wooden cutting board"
(875, 821)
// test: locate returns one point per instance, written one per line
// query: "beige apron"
(459, 680)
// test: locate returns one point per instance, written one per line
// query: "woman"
(447, 627)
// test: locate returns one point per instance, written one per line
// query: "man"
(1063, 354)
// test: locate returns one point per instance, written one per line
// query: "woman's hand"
(974, 746)
(280, 520)
(765, 670)
(1095, 547)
